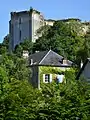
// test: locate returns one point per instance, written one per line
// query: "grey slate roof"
(48, 58)
(37, 57)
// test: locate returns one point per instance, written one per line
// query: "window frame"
(47, 78)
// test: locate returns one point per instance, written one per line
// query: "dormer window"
(61, 61)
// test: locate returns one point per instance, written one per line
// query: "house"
(47, 66)
(85, 71)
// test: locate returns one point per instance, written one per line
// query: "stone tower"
(23, 25)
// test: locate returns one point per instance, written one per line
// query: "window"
(20, 35)
(19, 20)
(60, 78)
(47, 78)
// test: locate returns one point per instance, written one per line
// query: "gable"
(51, 58)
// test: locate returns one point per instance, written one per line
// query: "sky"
(51, 9)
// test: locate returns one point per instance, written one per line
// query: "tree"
(4, 46)
(43, 30)
(27, 45)
(64, 38)
(6, 41)
(68, 100)
(84, 52)
(3, 80)
(64, 101)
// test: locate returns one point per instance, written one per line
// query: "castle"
(24, 25)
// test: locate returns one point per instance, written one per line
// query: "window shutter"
(44, 78)
(60, 78)
(50, 77)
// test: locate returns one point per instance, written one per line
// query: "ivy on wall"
(52, 70)
(49, 70)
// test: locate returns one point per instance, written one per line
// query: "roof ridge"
(45, 56)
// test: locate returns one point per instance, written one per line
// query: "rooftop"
(25, 11)
(50, 58)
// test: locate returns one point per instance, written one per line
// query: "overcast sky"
(53, 9)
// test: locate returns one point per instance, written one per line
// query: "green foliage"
(43, 30)
(70, 74)
(50, 70)
(4, 47)
(6, 41)
(65, 38)
(19, 100)
(21, 71)
(84, 52)
(53, 70)
(15, 67)
(18, 50)
(3, 80)
(65, 101)
(26, 45)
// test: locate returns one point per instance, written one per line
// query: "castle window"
(19, 20)
(20, 35)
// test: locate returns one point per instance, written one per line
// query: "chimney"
(25, 54)
(65, 61)
(31, 61)
(36, 51)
